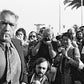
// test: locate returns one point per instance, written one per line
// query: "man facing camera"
(46, 47)
(12, 66)
(40, 69)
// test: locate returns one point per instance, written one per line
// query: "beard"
(39, 74)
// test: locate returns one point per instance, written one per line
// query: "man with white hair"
(12, 66)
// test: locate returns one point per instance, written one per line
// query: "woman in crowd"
(32, 39)
(72, 35)
(21, 35)
(80, 43)
(69, 62)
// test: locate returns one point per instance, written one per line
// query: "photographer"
(46, 47)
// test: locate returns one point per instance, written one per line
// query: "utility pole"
(59, 17)
(81, 12)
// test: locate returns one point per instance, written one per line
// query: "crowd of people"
(39, 57)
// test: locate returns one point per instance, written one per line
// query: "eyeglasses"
(32, 36)
(20, 33)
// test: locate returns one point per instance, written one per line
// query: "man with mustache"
(41, 67)
(12, 66)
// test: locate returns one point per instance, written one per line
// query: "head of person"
(42, 29)
(32, 36)
(59, 37)
(66, 40)
(21, 34)
(8, 23)
(76, 27)
(47, 34)
(79, 35)
(72, 33)
(40, 34)
(41, 67)
(82, 29)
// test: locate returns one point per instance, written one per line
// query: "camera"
(46, 39)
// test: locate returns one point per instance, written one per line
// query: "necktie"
(11, 62)
(8, 62)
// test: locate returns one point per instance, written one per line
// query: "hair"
(31, 33)
(48, 31)
(81, 28)
(78, 32)
(40, 60)
(65, 35)
(42, 29)
(23, 31)
(5, 12)
(59, 37)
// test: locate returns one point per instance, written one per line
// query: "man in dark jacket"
(12, 66)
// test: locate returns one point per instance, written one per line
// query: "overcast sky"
(32, 12)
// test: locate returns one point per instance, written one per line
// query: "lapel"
(18, 46)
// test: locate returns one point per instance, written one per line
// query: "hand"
(81, 65)
(47, 43)
(23, 83)
(64, 52)
(36, 82)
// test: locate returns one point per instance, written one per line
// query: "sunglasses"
(32, 36)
